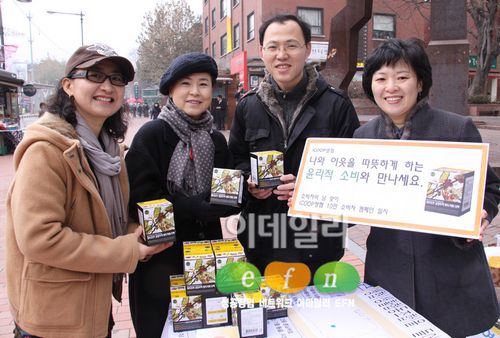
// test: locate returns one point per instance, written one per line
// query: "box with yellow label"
(227, 251)
(157, 220)
(199, 267)
(187, 311)
(266, 168)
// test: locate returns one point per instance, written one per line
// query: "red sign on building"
(239, 65)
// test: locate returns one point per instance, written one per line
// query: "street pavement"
(490, 131)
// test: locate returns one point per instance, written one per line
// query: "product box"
(187, 311)
(216, 311)
(227, 187)
(227, 251)
(250, 316)
(157, 220)
(266, 168)
(275, 302)
(449, 191)
(199, 267)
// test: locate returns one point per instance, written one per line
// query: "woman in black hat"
(172, 157)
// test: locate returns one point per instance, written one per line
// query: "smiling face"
(285, 66)
(192, 94)
(95, 102)
(395, 90)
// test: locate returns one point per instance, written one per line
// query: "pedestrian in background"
(240, 91)
(173, 157)
(445, 279)
(292, 103)
(155, 111)
(219, 111)
(68, 241)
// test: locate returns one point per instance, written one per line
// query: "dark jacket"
(195, 219)
(445, 279)
(258, 126)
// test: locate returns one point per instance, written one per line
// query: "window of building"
(223, 44)
(223, 8)
(236, 3)
(213, 50)
(236, 36)
(384, 26)
(250, 26)
(314, 17)
(213, 17)
(206, 25)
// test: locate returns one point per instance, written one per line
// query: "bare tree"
(483, 14)
(169, 30)
(49, 71)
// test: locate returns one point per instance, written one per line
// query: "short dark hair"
(392, 51)
(61, 104)
(282, 18)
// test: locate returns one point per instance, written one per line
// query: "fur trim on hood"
(266, 94)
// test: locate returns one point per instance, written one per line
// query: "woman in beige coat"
(68, 240)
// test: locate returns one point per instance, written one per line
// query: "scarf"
(106, 165)
(191, 165)
(403, 133)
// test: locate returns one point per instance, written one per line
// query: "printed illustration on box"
(199, 267)
(227, 187)
(449, 191)
(266, 168)
(226, 181)
(157, 219)
(186, 308)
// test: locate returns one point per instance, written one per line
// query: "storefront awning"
(10, 79)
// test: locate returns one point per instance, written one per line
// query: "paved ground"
(354, 255)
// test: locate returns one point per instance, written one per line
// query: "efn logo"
(287, 277)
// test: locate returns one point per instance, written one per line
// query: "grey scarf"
(393, 132)
(191, 165)
(106, 165)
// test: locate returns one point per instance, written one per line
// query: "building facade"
(231, 33)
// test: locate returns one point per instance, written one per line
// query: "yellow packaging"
(227, 251)
(199, 267)
(157, 220)
(187, 311)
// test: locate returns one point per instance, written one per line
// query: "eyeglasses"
(289, 47)
(116, 79)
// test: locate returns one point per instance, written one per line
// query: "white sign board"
(319, 51)
(432, 187)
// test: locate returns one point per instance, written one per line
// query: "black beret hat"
(186, 64)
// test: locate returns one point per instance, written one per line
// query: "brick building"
(230, 34)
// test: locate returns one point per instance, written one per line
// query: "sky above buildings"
(113, 22)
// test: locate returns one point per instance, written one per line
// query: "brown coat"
(59, 252)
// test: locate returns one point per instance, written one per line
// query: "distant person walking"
(155, 111)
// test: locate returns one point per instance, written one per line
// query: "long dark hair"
(60, 103)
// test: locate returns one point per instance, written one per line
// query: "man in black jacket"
(292, 103)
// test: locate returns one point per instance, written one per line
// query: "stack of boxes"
(196, 303)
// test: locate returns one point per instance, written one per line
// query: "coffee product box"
(227, 251)
(157, 220)
(248, 313)
(227, 187)
(199, 267)
(187, 311)
(449, 191)
(266, 168)
(275, 302)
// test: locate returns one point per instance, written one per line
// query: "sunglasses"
(116, 79)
